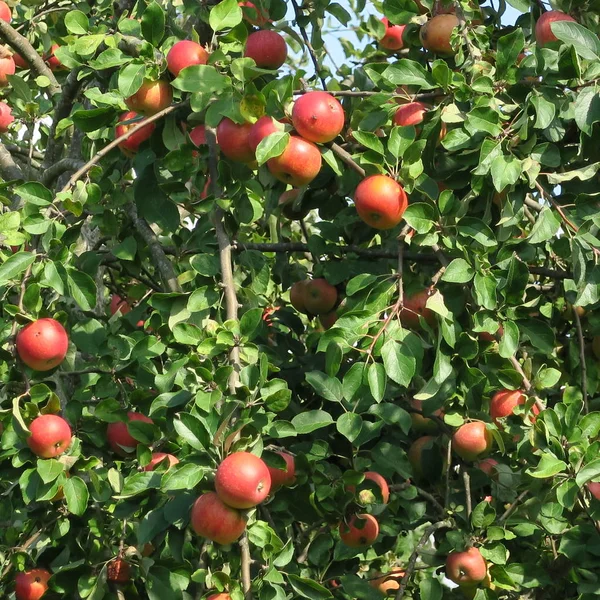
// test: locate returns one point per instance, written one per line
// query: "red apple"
(261, 129)
(20, 61)
(504, 402)
(488, 466)
(254, 15)
(543, 27)
(6, 117)
(318, 117)
(436, 34)
(222, 596)
(281, 477)
(366, 496)
(471, 440)
(31, 585)
(594, 488)
(388, 582)
(297, 295)
(466, 568)
(267, 48)
(393, 38)
(50, 436)
(242, 480)
(134, 141)
(328, 320)
(160, 458)
(415, 306)
(299, 163)
(491, 337)
(5, 13)
(380, 201)
(119, 438)
(233, 140)
(412, 113)
(213, 519)
(151, 98)
(43, 344)
(185, 54)
(421, 424)
(319, 296)
(361, 531)
(7, 67)
(52, 60)
(118, 570)
(118, 304)
(198, 135)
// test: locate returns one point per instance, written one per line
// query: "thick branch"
(347, 158)
(8, 166)
(245, 560)
(467, 484)
(57, 169)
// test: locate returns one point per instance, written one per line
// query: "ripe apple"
(328, 320)
(388, 582)
(281, 477)
(242, 480)
(428, 466)
(471, 440)
(297, 295)
(594, 488)
(43, 344)
(261, 129)
(286, 204)
(7, 67)
(161, 458)
(415, 306)
(52, 60)
(118, 304)
(151, 98)
(361, 531)
(119, 438)
(253, 15)
(31, 585)
(233, 140)
(267, 48)
(198, 135)
(393, 38)
(466, 568)
(366, 496)
(543, 27)
(213, 519)
(504, 402)
(421, 424)
(299, 163)
(6, 117)
(134, 141)
(380, 201)
(20, 61)
(318, 117)
(185, 54)
(488, 466)
(436, 33)
(222, 596)
(412, 113)
(319, 296)
(5, 13)
(118, 570)
(50, 436)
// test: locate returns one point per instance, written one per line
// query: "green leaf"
(545, 112)
(138, 483)
(586, 43)
(76, 495)
(584, 174)
(377, 381)
(307, 588)
(191, 429)
(349, 425)
(271, 146)
(153, 23)
(506, 171)
(508, 50)
(15, 265)
(408, 72)
(131, 78)
(182, 477)
(369, 140)
(549, 466)
(49, 469)
(545, 227)
(34, 193)
(311, 420)
(82, 288)
(250, 323)
(420, 216)
(94, 119)
(399, 362)
(201, 79)
(458, 271)
(327, 387)
(548, 377)
(225, 15)
(76, 22)
(588, 473)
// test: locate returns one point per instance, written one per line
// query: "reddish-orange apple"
(299, 163)
(52, 60)
(118, 304)
(261, 129)
(504, 402)
(213, 519)
(233, 140)
(267, 48)
(393, 38)
(388, 582)
(415, 306)
(135, 140)
(436, 34)
(119, 438)
(7, 67)
(466, 568)
(5, 13)
(283, 477)
(471, 440)
(161, 458)
(360, 531)
(254, 15)
(366, 496)
(198, 135)
(380, 201)
(185, 54)
(50, 436)
(20, 62)
(151, 98)
(319, 296)
(31, 585)
(43, 344)
(543, 27)
(297, 295)
(6, 117)
(318, 117)
(242, 480)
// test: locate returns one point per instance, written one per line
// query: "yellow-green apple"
(488, 466)
(366, 496)
(267, 48)
(118, 570)
(213, 519)
(421, 424)
(131, 144)
(299, 163)
(118, 436)
(286, 204)
(43, 344)
(52, 60)
(328, 320)
(436, 34)
(471, 440)
(361, 531)
(185, 54)
(31, 585)
(393, 39)
(233, 140)
(415, 306)
(380, 201)
(318, 117)
(262, 128)
(297, 295)
(50, 436)
(283, 477)
(543, 27)
(151, 98)
(594, 488)
(242, 480)
(7, 67)
(5, 13)
(6, 117)
(504, 402)
(319, 296)
(161, 458)
(254, 15)
(388, 582)
(466, 568)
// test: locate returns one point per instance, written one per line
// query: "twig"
(367, 94)
(410, 567)
(347, 158)
(448, 470)
(57, 169)
(511, 509)
(245, 560)
(474, 52)
(200, 587)
(526, 383)
(467, 484)
(582, 359)
(315, 257)
(311, 50)
(431, 499)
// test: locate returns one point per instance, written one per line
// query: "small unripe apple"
(261, 129)
(283, 477)
(161, 458)
(467, 567)
(52, 60)
(436, 34)
(318, 117)
(118, 570)
(185, 54)
(471, 440)
(415, 306)
(393, 38)
(134, 141)
(233, 140)
(380, 201)
(254, 15)
(5, 13)
(31, 585)
(297, 295)
(6, 117)
(43, 344)
(299, 163)
(242, 480)
(267, 48)
(543, 27)
(50, 436)
(319, 296)
(151, 98)
(119, 438)
(361, 531)
(213, 519)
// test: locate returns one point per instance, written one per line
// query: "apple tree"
(298, 299)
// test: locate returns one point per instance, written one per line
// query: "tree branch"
(245, 560)
(8, 166)
(511, 509)
(311, 50)
(467, 484)
(582, 359)
(57, 169)
(347, 158)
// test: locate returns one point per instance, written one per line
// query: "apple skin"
(213, 519)
(412, 113)
(267, 48)
(198, 135)
(159, 458)
(543, 29)
(421, 424)
(118, 570)
(504, 402)
(242, 480)
(7, 67)
(133, 142)
(415, 306)
(328, 320)
(471, 440)
(318, 117)
(436, 33)
(118, 435)
(20, 62)
(261, 129)
(360, 532)
(299, 163)
(31, 585)
(151, 98)
(388, 582)
(6, 117)
(366, 496)
(222, 596)
(297, 295)
(253, 15)
(394, 36)
(466, 568)
(5, 13)
(319, 296)
(50, 436)
(484, 336)
(281, 478)
(233, 140)
(594, 489)
(185, 54)
(118, 304)
(488, 466)
(380, 201)
(43, 344)
(52, 60)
